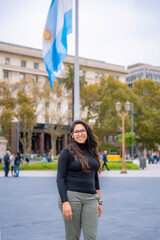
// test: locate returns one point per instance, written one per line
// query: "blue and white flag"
(58, 25)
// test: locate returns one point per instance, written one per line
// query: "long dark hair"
(91, 144)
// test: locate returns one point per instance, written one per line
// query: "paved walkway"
(29, 211)
(151, 170)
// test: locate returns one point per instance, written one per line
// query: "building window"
(36, 65)
(47, 104)
(46, 79)
(47, 121)
(84, 73)
(59, 105)
(117, 77)
(115, 138)
(130, 85)
(141, 75)
(6, 61)
(21, 76)
(110, 138)
(34, 103)
(35, 78)
(70, 121)
(70, 106)
(59, 119)
(6, 75)
(100, 75)
(96, 75)
(148, 75)
(153, 76)
(23, 63)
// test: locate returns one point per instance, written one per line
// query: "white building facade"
(17, 62)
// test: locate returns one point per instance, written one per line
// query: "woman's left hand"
(99, 210)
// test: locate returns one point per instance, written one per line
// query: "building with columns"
(16, 62)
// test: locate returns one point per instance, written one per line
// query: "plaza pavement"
(131, 206)
(151, 170)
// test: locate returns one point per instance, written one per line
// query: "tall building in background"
(142, 71)
(18, 62)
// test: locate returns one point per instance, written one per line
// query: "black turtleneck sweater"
(71, 177)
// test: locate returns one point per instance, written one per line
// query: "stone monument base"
(3, 146)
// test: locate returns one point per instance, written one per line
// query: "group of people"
(14, 161)
(153, 157)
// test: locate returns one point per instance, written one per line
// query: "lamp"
(123, 115)
(118, 106)
(127, 106)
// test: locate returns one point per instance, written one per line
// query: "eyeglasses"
(77, 132)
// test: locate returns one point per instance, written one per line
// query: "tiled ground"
(28, 209)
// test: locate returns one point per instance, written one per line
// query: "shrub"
(118, 165)
(107, 146)
(53, 166)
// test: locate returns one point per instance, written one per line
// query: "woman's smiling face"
(79, 134)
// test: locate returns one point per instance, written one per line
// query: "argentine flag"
(58, 25)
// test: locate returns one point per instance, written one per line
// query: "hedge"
(53, 166)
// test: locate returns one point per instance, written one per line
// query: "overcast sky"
(121, 32)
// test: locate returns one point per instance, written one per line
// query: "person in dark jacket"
(17, 162)
(104, 158)
(78, 183)
(6, 163)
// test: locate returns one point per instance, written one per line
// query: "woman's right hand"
(67, 211)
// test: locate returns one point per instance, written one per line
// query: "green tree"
(54, 121)
(145, 96)
(6, 99)
(107, 120)
(6, 118)
(7, 105)
(100, 100)
(27, 118)
(130, 138)
(147, 114)
(68, 82)
(90, 100)
(107, 146)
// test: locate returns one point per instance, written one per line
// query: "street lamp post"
(123, 116)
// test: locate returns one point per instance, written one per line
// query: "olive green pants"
(85, 215)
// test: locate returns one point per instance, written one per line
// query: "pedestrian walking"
(78, 183)
(104, 158)
(12, 158)
(6, 163)
(49, 157)
(17, 162)
(27, 159)
(149, 155)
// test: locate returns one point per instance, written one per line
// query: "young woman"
(78, 184)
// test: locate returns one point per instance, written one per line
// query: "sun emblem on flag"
(47, 35)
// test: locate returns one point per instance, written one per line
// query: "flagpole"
(76, 68)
